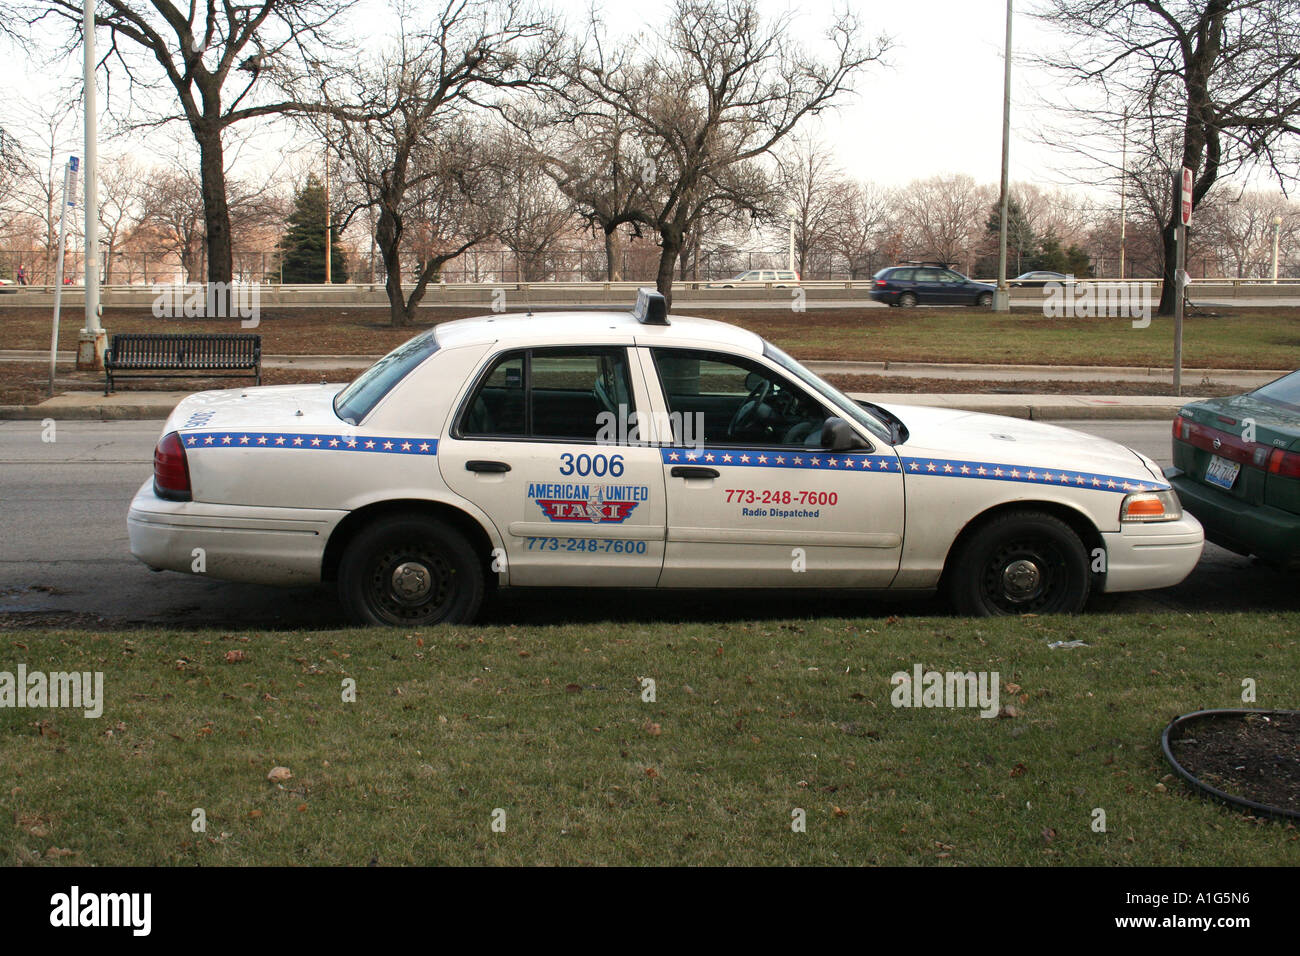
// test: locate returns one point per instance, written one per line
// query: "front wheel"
(985, 300)
(1025, 562)
(410, 570)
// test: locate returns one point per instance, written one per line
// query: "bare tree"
(1223, 74)
(1242, 230)
(591, 153)
(718, 88)
(418, 148)
(942, 216)
(120, 206)
(42, 139)
(172, 204)
(531, 214)
(212, 55)
(814, 188)
(863, 215)
(172, 212)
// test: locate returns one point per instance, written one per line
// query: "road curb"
(104, 413)
(1034, 407)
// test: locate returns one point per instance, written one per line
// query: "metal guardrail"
(577, 293)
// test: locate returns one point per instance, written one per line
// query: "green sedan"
(1237, 469)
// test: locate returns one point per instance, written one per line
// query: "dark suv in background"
(928, 285)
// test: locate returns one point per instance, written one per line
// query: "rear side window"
(356, 401)
(1284, 392)
(551, 394)
(901, 275)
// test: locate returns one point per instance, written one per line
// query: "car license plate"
(1222, 472)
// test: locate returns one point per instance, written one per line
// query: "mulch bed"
(1254, 756)
(889, 384)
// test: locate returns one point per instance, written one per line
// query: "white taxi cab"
(638, 450)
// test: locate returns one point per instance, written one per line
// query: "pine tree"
(302, 247)
(1022, 244)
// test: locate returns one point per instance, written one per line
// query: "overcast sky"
(934, 106)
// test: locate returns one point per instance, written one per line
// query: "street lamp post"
(1123, 196)
(1277, 236)
(93, 340)
(1002, 297)
(791, 212)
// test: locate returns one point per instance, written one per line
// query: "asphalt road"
(64, 559)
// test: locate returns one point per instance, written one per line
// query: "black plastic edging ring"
(1218, 794)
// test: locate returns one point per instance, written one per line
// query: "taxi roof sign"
(651, 307)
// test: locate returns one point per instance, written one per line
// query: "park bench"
(182, 355)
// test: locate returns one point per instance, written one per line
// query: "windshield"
(356, 401)
(850, 409)
(1284, 392)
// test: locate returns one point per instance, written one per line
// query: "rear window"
(1285, 392)
(356, 401)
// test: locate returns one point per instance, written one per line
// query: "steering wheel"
(748, 410)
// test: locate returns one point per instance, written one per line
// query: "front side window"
(550, 394)
(845, 407)
(726, 399)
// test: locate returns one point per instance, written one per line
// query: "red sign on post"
(1187, 196)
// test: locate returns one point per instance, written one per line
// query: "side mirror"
(838, 435)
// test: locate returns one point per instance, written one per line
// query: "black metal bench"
(182, 355)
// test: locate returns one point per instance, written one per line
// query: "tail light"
(881, 283)
(1182, 428)
(171, 469)
(1284, 464)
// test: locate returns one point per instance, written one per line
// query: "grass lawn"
(1241, 338)
(751, 721)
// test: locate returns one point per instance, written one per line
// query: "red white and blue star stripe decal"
(931, 467)
(372, 444)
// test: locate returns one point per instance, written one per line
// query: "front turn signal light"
(1151, 506)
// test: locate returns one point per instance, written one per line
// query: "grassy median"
(1232, 338)
(751, 722)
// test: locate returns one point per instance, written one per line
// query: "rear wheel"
(985, 300)
(410, 570)
(1025, 562)
(907, 300)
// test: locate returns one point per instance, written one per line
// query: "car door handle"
(693, 471)
(490, 467)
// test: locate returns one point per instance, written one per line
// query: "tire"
(432, 555)
(1024, 562)
(985, 300)
(907, 300)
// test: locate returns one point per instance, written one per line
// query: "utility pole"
(328, 223)
(1002, 297)
(791, 212)
(93, 339)
(1123, 196)
(1277, 236)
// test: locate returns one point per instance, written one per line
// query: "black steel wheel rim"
(411, 584)
(1024, 577)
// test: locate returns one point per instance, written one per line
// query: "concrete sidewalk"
(158, 405)
(1245, 378)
